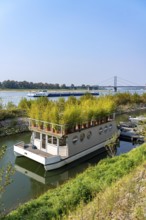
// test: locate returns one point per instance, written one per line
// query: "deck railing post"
(46, 140)
(41, 139)
(57, 146)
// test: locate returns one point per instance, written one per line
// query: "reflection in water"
(54, 178)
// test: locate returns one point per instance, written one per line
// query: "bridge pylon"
(115, 83)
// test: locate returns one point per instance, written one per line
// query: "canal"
(30, 179)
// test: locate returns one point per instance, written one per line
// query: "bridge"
(119, 83)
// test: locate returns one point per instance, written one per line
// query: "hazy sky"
(73, 41)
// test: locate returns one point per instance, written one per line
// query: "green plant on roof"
(71, 116)
(72, 111)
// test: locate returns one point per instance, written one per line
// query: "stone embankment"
(13, 126)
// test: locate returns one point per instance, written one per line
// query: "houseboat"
(54, 145)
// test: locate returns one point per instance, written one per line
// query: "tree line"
(11, 84)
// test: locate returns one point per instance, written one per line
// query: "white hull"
(55, 162)
(73, 158)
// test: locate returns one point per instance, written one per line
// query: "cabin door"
(44, 143)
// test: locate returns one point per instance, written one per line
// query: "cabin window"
(54, 141)
(49, 139)
(82, 136)
(105, 129)
(89, 134)
(37, 135)
(75, 139)
(62, 141)
(100, 130)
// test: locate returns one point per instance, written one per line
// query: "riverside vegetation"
(81, 190)
(10, 110)
(12, 119)
(73, 110)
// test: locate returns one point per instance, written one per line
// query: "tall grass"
(124, 199)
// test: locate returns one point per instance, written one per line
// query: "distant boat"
(59, 94)
(138, 119)
(43, 93)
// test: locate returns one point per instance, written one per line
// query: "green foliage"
(7, 114)
(71, 100)
(71, 116)
(136, 98)
(10, 110)
(77, 111)
(111, 145)
(128, 98)
(122, 98)
(25, 104)
(73, 111)
(1, 104)
(143, 98)
(57, 202)
(10, 106)
(87, 96)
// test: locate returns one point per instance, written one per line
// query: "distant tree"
(63, 86)
(83, 86)
(72, 86)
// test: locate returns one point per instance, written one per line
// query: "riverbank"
(83, 189)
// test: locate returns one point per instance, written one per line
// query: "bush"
(7, 114)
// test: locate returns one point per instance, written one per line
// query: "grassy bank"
(58, 202)
(124, 199)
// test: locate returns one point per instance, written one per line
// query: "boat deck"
(29, 147)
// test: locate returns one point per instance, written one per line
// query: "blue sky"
(73, 41)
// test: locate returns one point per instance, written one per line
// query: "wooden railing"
(52, 128)
(46, 126)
